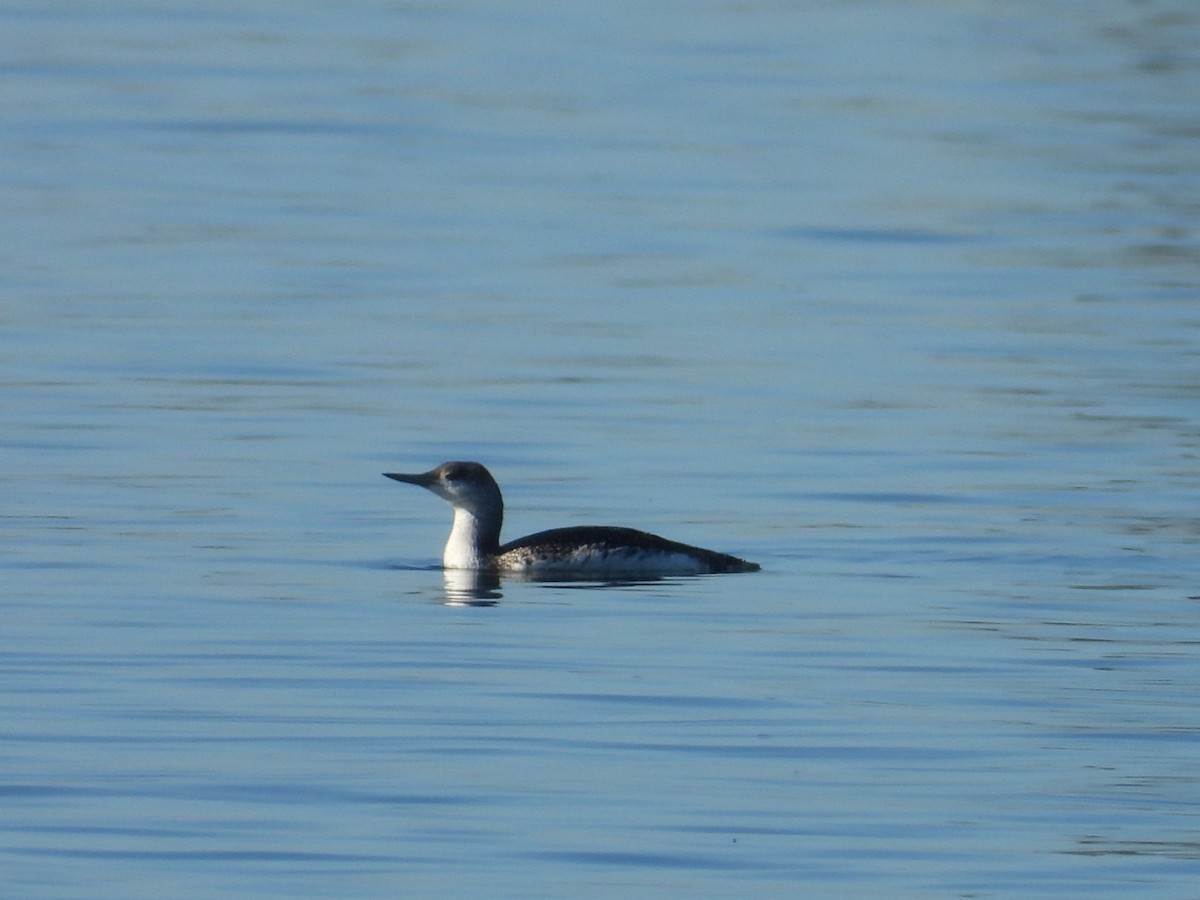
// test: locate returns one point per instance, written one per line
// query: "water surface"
(897, 299)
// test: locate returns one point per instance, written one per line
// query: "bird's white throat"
(463, 548)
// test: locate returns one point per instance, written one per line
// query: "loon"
(590, 549)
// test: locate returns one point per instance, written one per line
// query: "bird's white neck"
(465, 548)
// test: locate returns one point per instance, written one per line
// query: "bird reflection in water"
(470, 587)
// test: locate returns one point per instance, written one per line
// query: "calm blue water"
(899, 299)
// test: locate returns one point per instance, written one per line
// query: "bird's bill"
(423, 479)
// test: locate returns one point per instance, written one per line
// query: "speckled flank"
(606, 549)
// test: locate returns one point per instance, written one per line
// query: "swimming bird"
(589, 549)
